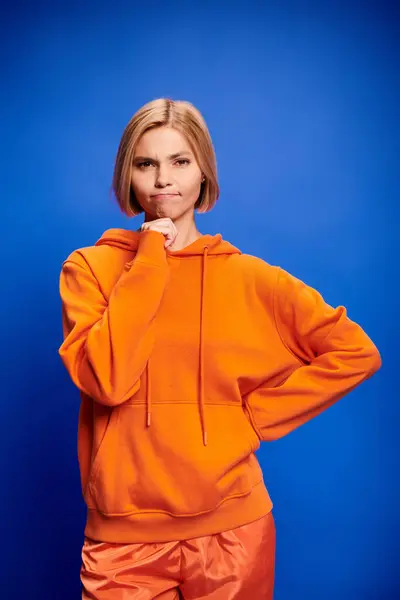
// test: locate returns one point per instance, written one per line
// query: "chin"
(173, 212)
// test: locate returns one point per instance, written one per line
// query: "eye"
(144, 163)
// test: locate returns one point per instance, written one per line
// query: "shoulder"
(97, 258)
(273, 280)
(80, 255)
(100, 266)
(257, 272)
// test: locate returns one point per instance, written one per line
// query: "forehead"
(162, 141)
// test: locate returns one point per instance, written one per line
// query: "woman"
(188, 354)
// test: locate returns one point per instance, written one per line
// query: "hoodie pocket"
(166, 468)
(105, 454)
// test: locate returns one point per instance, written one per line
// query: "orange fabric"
(237, 564)
(186, 360)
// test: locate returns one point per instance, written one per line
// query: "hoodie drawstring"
(148, 395)
(201, 350)
(201, 361)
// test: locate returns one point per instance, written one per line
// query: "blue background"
(301, 100)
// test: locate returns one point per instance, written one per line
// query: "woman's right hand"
(165, 226)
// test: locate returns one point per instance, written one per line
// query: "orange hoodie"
(186, 360)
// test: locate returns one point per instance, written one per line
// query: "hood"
(129, 240)
(205, 246)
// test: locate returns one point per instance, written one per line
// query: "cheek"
(140, 183)
(189, 184)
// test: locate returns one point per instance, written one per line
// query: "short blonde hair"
(177, 114)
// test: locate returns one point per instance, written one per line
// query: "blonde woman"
(188, 354)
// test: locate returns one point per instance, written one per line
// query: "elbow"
(115, 396)
(375, 361)
(372, 361)
(112, 398)
(101, 390)
(105, 395)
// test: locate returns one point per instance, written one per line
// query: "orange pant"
(234, 565)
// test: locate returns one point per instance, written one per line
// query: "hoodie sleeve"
(107, 343)
(335, 355)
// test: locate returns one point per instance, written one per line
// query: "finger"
(160, 228)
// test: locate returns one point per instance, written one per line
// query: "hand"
(165, 226)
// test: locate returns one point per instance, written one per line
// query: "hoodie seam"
(77, 264)
(274, 294)
(191, 257)
(89, 268)
(237, 404)
(150, 264)
(190, 515)
(252, 419)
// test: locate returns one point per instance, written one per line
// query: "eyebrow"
(170, 156)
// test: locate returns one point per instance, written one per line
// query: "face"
(163, 163)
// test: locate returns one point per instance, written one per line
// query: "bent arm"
(107, 343)
(335, 355)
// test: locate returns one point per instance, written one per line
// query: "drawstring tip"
(205, 438)
(148, 419)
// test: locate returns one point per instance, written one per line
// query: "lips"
(164, 195)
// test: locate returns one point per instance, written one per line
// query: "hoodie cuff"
(151, 249)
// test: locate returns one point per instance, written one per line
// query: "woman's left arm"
(334, 353)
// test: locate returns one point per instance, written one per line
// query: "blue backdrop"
(302, 104)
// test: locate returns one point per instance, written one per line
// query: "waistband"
(160, 527)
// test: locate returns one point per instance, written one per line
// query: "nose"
(163, 176)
